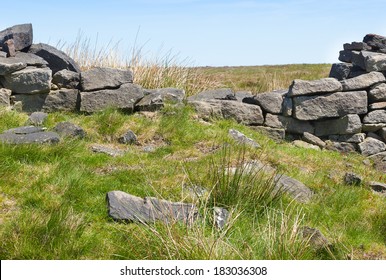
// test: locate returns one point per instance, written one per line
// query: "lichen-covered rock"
(214, 94)
(371, 146)
(10, 65)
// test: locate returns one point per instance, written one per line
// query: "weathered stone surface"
(371, 146)
(349, 124)
(382, 133)
(291, 125)
(31, 59)
(57, 60)
(340, 71)
(5, 97)
(277, 134)
(9, 48)
(62, 100)
(330, 105)
(378, 187)
(214, 94)
(287, 107)
(30, 138)
(363, 81)
(373, 61)
(378, 105)
(379, 161)
(25, 129)
(343, 147)
(377, 116)
(241, 112)
(128, 138)
(375, 136)
(314, 237)
(270, 102)
(356, 46)
(3, 54)
(123, 98)
(220, 218)
(293, 187)
(305, 145)
(352, 179)
(126, 207)
(104, 78)
(372, 127)
(68, 129)
(156, 99)
(10, 65)
(66, 79)
(242, 139)
(312, 139)
(350, 138)
(377, 93)
(37, 118)
(376, 42)
(345, 56)
(103, 149)
(302, 87)
(30, 102)
(21, 35)
(29, 80)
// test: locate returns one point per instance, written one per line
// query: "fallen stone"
(30, 138)
(57, 60)
(104, 78)
(242, 139)
(377, 106)
(37, 118)
(312, 139)
(287, 107)
(62, 100)
(350, 138)
(128, 208)
(340, 71)
(371, 146)
(293, 187)
(241, 112)
(128, 138)
(5, 95)
(290, 125)
(330, 105)
(349, 124)
(66, 79)
(378, 187)
(28, 129)
(21, 35)
(277, 134)
(305, 145)
(123, 98)
(352, 179)
(214, 94)
(96, 148)
(314, 237)
(325, 85)
(155, 99)
(221, 216)
(363, 81)
(10, 65)
(31, 59)
(28, 81)
(377, 116)
(372, 127)
(68, 129)
(377, 93)
(270, 102)
(342, 147)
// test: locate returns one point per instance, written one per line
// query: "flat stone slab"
(349, 124)
(293, 187)
(350, 138)
(271, 102)
(290, 124)
(214, 94)
(25, 129)
(9, 65)
(374, 117)
(363, 81)
(97, 148)
(104, 78)
(129, 208)
(242, 139)
(302, 87)
(39, 137)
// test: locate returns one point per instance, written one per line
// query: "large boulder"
(290, 125)
(31, 59)
(57, 60)
(129, 208)
(373, 117)
(371, 146)
(10, 65)
(30, 80)
(363, 81)
(123, 98)
(214, 94)
(155, 99)
(349, 124)
(270, 102)
(302, 87)
(22, 36)
(241, 112)
(104, 78)
(330, 105)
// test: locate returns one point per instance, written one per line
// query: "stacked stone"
(39, 77)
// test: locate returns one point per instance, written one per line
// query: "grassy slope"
(53, 197)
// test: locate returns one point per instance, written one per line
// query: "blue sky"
(211, 32)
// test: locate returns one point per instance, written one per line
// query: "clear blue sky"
(209, 32)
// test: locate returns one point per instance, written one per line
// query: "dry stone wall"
(344, 112)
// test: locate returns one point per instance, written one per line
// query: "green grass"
(53, 205)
